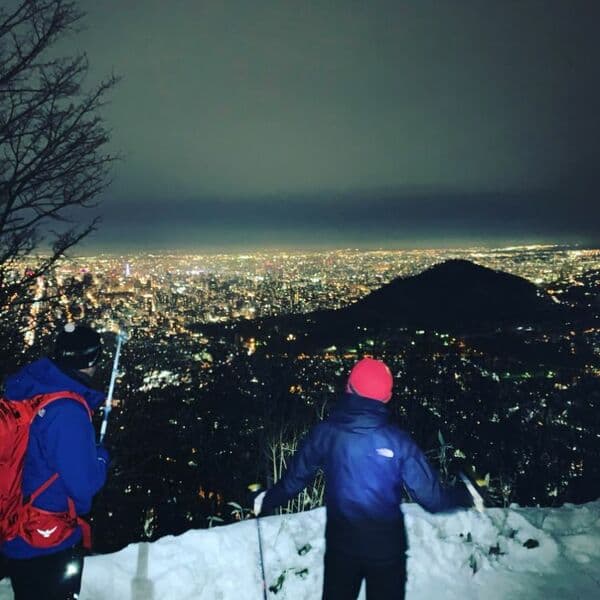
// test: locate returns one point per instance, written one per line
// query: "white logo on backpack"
(46, 533)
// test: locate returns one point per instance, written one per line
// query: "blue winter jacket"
(367, 462)
(62, 440)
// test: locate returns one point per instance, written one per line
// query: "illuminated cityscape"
(213, 373)
(170, 291)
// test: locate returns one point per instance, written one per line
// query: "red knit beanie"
(372, 379)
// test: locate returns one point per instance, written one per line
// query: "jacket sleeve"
(303, 468)
(71, 452)
(423, 484)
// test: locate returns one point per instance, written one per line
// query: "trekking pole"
(256, 487)
(261, 560)
(111, 387)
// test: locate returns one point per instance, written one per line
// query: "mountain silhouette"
(456, 296)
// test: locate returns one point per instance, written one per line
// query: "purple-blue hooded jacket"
(62, 440)
(368, 462)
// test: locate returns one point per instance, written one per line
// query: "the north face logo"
(386, 452)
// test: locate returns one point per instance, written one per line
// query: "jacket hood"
(354, 412)
(45, 377)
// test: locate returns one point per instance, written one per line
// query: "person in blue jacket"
(368, 462)
(62, 441)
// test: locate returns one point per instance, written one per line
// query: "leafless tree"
(53, 156)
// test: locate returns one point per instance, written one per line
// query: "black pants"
(53, 577)
(386, 580)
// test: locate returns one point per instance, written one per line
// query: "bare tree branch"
(52, 140)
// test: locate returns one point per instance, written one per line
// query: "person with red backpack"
(47, 408)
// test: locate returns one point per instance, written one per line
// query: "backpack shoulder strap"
(42, 400)
(38, 403)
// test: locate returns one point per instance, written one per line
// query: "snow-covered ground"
(516, 553)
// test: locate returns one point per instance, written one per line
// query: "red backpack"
(18, 516)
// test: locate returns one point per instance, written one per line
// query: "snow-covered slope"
(516, 553)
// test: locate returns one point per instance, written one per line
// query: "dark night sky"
(344, 123)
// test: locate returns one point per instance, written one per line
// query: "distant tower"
(127, 270)
(294, 298)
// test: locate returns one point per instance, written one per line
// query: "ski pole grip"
(477, 499)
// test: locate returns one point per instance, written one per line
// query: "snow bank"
(513, 553)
